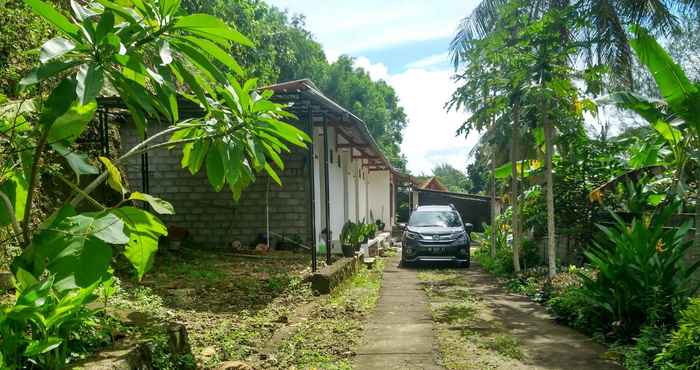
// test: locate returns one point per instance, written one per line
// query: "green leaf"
(105, 26)
(144, 230)
(58, 103)
(115, 177)
(649, 109)
(215, 51)
(109, 229)
(159, 205)
(655, 199)
(77, 161)
(215, 170)
(37, 347)
(670, 78)
(668, 132)
(194, 158)
(47, 70)
(15, 188)
(211, 27)
(200, 61)
(90, 78)
(270, 171)
(504, 172)
(24, 280)
(50, 13)
(70, 125)
(55, 48)
(76, 246)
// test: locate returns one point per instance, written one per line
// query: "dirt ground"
(478, 325)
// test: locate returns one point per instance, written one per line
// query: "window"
(435, 218)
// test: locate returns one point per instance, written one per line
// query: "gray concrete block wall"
(212, 218)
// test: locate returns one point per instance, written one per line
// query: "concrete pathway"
(400, 332)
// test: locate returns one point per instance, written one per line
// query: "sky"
(405, 43)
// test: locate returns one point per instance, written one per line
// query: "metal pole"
(312, 192)
(327, 186)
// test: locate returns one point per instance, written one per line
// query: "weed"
(504, 344)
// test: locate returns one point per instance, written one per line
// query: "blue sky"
(403, 42)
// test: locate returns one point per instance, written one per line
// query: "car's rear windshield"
(435, 219)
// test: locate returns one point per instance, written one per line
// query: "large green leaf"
(89, 82)
(159, 205)
(44, 71)
(50, 13)
(15, 188)
(37, 347)
(649, 109)
(215, 51)
(668, 132)
(76, 160)
(76, 245)
(216, 172)
(670, 78)
(503, 172)
(144, 230)
(211, 27)
(70, 125)
(55, 48)
(115, 177)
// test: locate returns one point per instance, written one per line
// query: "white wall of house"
(380, 196)
(355, 193)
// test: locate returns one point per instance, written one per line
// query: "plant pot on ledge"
(348, 250)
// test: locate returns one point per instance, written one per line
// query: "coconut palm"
(604, 31)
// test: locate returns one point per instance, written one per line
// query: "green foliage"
(642, 278)
(150, 54)
(572, 307)
(683, 349)
(648, 344)
(40, 324)
(455, 180)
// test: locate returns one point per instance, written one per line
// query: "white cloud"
(358, 25)
(432, 62)
(377, 71)
(429, 138)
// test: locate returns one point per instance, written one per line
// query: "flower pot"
(348, 250)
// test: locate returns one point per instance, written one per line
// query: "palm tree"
(604, 32)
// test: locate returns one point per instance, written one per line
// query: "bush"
(648, 344)
(683, 350)
(572, 307)
(641, 277)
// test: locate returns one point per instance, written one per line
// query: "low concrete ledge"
(326, 279)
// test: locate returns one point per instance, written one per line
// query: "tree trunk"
(697, 214)
(494, 226)
(514, 143)
(551, 228)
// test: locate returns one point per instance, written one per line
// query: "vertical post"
(327, 186)
(312, 192)
(144, 167)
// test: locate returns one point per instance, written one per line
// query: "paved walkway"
(400, 332)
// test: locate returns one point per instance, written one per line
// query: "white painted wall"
(380, 196)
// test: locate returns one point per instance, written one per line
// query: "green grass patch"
(333, 331)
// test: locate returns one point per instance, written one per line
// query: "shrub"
(571, 306)
(641, 277)
(683, 349)
(648, 344)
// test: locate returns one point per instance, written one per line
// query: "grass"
(333, 331)
(468, 338)
(230, 305)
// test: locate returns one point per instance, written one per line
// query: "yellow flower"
(660, 246)
(596, 196)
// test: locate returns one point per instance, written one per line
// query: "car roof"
(434, 208)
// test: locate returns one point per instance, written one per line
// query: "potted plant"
(380, 225)
(347, 239)
(371, 230)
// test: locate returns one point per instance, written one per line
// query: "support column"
(312, 192)
(327, 186)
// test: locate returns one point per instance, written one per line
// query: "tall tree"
(454, 179)
(604, 31)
